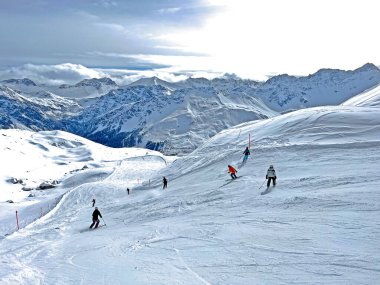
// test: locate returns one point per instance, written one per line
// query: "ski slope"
(319, 225)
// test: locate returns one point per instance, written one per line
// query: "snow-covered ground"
(319, 225)
(31, 159)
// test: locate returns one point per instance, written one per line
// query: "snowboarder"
(165, 181)
(95, 218)
(233, 171)
(128, 190)
(246, 154)
(271, 176)
(93, 202)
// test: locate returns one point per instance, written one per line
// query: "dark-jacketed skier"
(246, 154)
(165, 181)
(93, 202)
(271, 176)
(95, 218)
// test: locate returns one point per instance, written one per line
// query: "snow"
(369, 98)
(173, 117)
(319, 225)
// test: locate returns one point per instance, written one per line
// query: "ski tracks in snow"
(196, 275)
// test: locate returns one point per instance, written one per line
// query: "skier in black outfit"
(93, 202)
(165, 181)
(95, 218)
(246, 154)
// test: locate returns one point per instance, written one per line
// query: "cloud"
(69, 73)
(106, 3)
(169, 10)
(112, 26)
(52, 74)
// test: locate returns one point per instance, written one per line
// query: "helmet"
(271, 166)
(96, 208)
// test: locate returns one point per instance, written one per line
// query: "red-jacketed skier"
(271, 176)
(95, 218)
(232, 171)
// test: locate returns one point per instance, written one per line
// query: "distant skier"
(165, 181)
(93, 202)
(232, 171)
(271, 176)
(128, 190)
(246, 154)
(95, 218)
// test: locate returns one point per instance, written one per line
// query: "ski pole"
(104, 221)
(262, 184)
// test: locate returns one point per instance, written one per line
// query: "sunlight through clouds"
(285, 36)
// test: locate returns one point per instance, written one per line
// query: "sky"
(68, 40)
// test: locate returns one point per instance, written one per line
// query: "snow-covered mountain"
(159, 118)
(87, 88)
(319, 225)
(18, 82)
(177, 117)
(325, 87)
(152, 81)
(43, 111)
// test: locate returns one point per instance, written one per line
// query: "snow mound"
(369, 98)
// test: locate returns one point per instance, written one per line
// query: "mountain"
(42, 112)
(15, 82)
(87, 88)
(97, 83)
(153, 81)
(159, 118)
(318, 225)
(326, 87)
(177, 117)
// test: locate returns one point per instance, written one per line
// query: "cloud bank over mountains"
(69, 73)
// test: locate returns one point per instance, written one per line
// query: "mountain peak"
(96, 82)
(368, 67)
(24, 81)
(150, 81)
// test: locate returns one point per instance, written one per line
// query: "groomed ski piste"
(319, 225)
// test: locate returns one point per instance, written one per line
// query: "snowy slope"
(34, 158)
(369, 98)
(319, 225)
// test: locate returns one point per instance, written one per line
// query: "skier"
(93, 202)
(271, 175)
(233, 171)
(95, 218)
(246, 154)
(165, 181)
(128, 190)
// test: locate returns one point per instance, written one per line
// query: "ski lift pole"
(18, 227)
